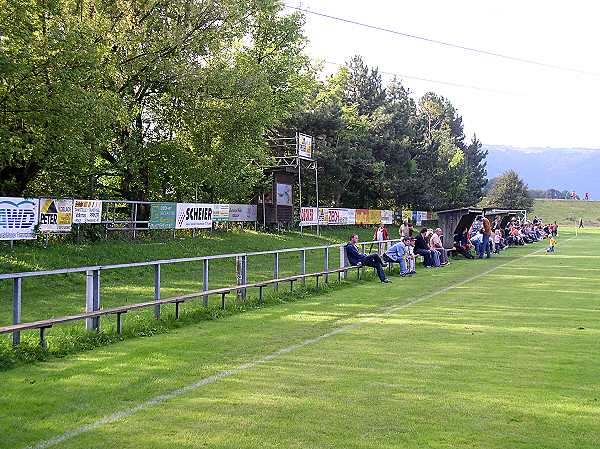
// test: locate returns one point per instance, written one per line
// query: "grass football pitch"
(499, 353)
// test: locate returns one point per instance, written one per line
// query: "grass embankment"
(507, 360)
(47, 297)
(568, 212)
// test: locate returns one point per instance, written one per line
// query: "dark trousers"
(427, 259)
(373, 260)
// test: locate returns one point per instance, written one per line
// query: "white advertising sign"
(348, 216)
(220, 212)
(194, 216)
(323, 215)
(284, 195)
(334, 217)
(87, 211)
(305, 146)
(55, 215)
(420, 217)
(387, 216)
(308, 216)
(242, 212)
(18, 218)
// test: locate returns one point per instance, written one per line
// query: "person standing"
(581, 223)
(380, 234)
(486, 226)
(404, 231)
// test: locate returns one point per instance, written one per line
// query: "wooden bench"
(44, 325)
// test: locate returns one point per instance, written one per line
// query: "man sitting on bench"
(372, 260)
(398, 253)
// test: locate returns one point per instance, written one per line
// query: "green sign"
(162, 215)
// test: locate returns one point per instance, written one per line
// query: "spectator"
(422, 249)
(398, 253)
(487, 232)
(410, 256)
(461, 244)
(434, 254)
(477, 241)
(436, 244)
(380, 234)
(581, 223)
(498, 241)
(404, 231)
(372, 260)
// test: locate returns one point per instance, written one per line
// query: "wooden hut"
(507, 214)
(456, 221)
(276, 207)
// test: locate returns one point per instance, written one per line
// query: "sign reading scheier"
(194, 216)
(18, 218)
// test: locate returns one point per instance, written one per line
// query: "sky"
(529, 106)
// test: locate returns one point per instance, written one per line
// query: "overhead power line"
(446, 44)
(446, 83)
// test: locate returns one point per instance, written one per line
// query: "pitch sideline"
(246, 366)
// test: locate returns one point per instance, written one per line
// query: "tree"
(144, 100)
(510, 192)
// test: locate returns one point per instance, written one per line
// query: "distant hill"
(567, 212)
(545, 168)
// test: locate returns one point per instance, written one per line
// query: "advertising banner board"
(387, 217)
(18, 218)
(407, 215)
(348, 216)
(323, 215)
(374, 216)
(194, 216)
(162, 215)
(55, 215)
(362, 216)
(308, 216)
(305, 146)
(242, 212)
(220, 212)
(334, 217)
(87, 211)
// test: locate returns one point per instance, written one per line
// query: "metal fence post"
(16, 309)
(303, 265)
(92, 303)
(343, 263)
(326, 263)
(157, 290)
(276, 271)
(241, 274)
(205, 281)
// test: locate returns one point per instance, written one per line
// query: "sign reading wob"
(194, 216)
(18, 218)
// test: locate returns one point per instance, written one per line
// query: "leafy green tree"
(509, 191)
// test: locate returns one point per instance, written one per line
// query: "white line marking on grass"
(246, 366)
